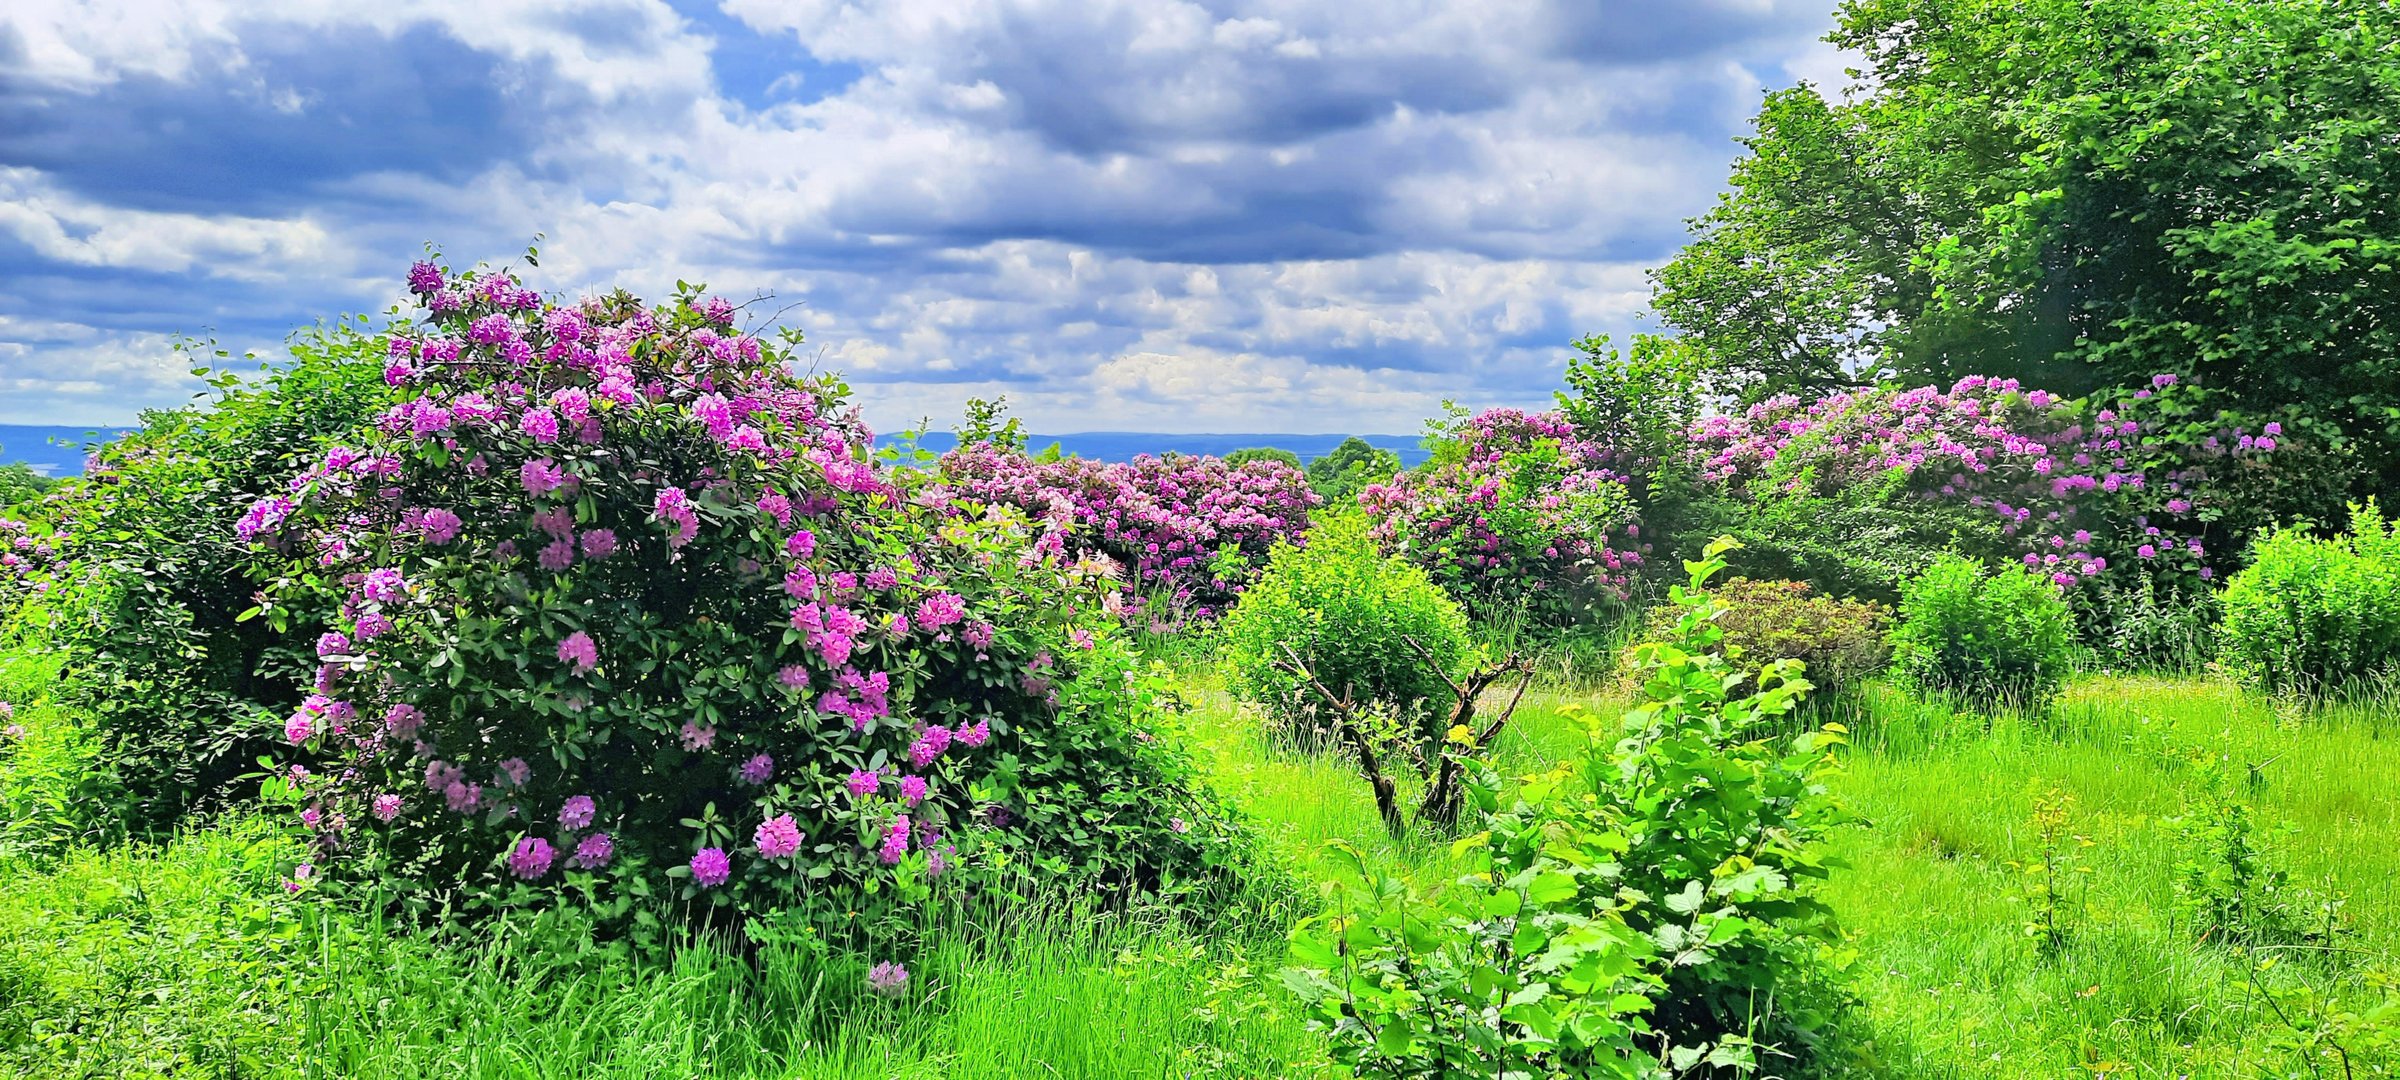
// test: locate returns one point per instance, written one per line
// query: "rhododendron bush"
(2072, 490)
(629, 610)
(1186, 531)
(1518, 514)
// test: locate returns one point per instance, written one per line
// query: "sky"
(1130, 215)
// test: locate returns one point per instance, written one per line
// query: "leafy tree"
(2079, 194)
(19, 483)
(1347, 470)
(987, 421)
(1247, 455)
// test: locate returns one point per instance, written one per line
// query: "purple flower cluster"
(2075, 488)
(1528, 514)
(1192, 531)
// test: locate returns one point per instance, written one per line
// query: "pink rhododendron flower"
(711, 868)
(778, 836)
(530, 859)
(594, 851)
(580, 650)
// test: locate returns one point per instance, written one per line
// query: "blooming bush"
(2069, 489)
(1515, 516)
(628, 611)
(1999, 638)
(2317, 614)
(27, 556)
(1187, 531)
(1352, 617)
(1839, 642)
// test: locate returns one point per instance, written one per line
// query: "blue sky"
(1232, 215)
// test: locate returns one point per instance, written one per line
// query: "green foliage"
(177, 693)
(19, 483)
(2226, 888)
(2056, 879)
(987, 421)
(2142, 624)
(1347, 614)
(1650, 904)
(1839, 641)
(1865, 539)
(2077, 193)
(1248, 454)
(2314, 615)
(1994, 638)
(1345, 471)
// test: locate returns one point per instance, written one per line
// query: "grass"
(188, 959)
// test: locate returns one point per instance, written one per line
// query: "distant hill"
(39, 446)
(1124, 445)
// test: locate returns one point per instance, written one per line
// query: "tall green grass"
(188, 959)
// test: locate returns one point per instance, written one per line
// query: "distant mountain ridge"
(39, 446)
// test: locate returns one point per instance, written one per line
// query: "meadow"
(152, 959)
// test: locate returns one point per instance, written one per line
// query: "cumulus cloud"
(1129, 214)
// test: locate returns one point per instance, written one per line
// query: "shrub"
(2313, 615)
(1350, 615)
(1515, 516)
(1187, 532)
(19, 483)
(1840, 641)
(148, 579)
(629, 612)
(1651, 905)
(2002, 636)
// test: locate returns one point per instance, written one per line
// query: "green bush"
(2003, 636)
(180, 695)
(1345, 471)
(1249, 454)
(2314, 615)
(1840, 640)
(1648, 909)
(1347, 613)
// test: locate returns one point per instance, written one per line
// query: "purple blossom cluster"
(1522, 512)
(28, 560)
(1189, 531)
(2074, 488)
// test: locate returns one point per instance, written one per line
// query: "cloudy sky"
(1163, 215)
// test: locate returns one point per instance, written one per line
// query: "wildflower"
(710, 868)
(1179, 825)
(778, 836)
(758, 770)
(887, 979)
(595, 851)
(531, 858)
(387, 806)
(579, 649)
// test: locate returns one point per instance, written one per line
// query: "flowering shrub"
(1839, 642)
(1995, 637)
(1515, 516)
(1189, 531)
(2314, 615)
(629, 611)
(1355, 619)
(2068, 489)
(27, 555)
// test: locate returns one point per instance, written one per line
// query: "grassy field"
(189, 959)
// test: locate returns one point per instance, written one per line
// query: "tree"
(2079, 194)
(1247, 455)
(1345, 471)
(19, 483)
